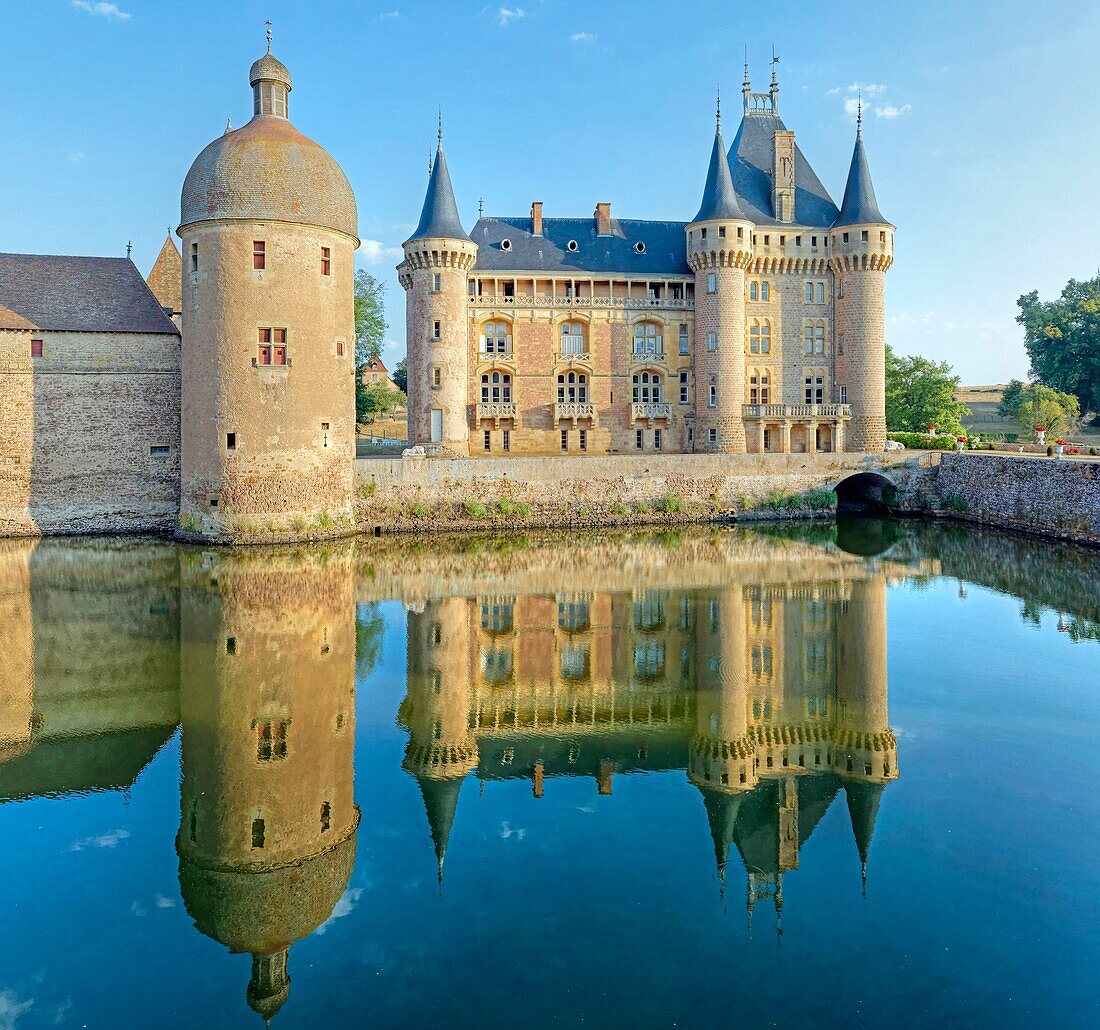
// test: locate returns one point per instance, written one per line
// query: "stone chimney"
(602, 214)
(783, 175)
(536, 218)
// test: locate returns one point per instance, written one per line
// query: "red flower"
(1061, 443)
(1040, 429)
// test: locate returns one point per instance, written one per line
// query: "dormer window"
(571, 245)
(639, 247)
(505, 244)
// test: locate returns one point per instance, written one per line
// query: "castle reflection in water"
(756, 665)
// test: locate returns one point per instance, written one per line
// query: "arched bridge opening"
(865, 493)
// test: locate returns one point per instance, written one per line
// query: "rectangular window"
(36, 348)
(845, 237)
(257, 833)
(437, 329)
(160, 450)
(809, 293)
(683, 338)
(843, 398)
(712, 435)
(194, 257)
(565, 439)
(712, 282)
(656, 439)
(683, 387)
(259, 254)
(820, 293)
(702, 234)
(437, 282)
(272, 347)
(437, 378)
(488, 441)
(721, 232)
(326, 261)
(639, 439)
(863, 235)
(230, 441)
(326, 816)
(339, 348)
(506, 440)
(691, 434)
(712, 400)
(813, 241)
(712, 341)
(584, 439)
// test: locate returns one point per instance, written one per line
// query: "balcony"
(483, 300)
(653, 349)
(796, 411)
(574, 411)
(495, 347)
(650, 410)
(496, 410)
(573, 348)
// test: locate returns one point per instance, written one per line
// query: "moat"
(839, 774)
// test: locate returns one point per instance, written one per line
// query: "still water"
(843, 776)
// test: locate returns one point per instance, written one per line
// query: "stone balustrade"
(496, 410)
(791, 411)
(626, 303)
(650, 410)
(573, 411)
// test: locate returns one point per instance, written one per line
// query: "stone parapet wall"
(439, 494)
(1036, 495)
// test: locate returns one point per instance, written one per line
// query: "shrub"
(1093, 451)
(368, 489)
(1050, 450)
(955, 501)
(418, 511)
(324, 520)
(522, 510)
(641, 508)
(670, 504)
(583, 511)
(924, 442)
(819, 498)
(476, 510)
(505, 507)
(621, 510)
(776, 500)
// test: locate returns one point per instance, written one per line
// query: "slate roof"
(719, 198)
(751, 158)
(859, 206)
(80, 294)
(664, 254)
(439, 217)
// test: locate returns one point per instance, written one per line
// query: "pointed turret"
(440, 804)
(165, 280)
(863, 801)
(722, 808)
(439, 217)
(719, 196)
(859, 206)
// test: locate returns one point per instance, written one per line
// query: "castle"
(758, 326)
(216, 401)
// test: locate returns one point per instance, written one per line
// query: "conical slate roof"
(722, 808)
(439, 217)
(440, 803)
(863, 801)
(719, 197)
(859, 206)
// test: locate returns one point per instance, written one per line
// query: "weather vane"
(268, 24)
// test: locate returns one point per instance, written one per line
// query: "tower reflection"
(267, 819)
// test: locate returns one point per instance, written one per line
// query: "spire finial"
(439, 129)
(775, 61)
(746, 85)
(129, 247)
(863, 863)
(718, 110)
(859, 114)
(481, 207)
(268, 24)
(228, 125)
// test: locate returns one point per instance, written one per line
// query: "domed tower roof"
(268, 170)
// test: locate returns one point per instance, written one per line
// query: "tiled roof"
(268, 170)
(751, 158)
(80, 294)
(439, 217)
(719, 198)
(860, 206)
(165, 278)
(663, 253)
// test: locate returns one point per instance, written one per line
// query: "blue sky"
(979, 131)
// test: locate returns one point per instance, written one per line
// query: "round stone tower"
(861, 245)
(269, 230)
(719, 249)
(266, 842)
(438, 259)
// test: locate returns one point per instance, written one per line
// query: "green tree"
(1062, 338)
(370, 317)
(370, 627)
(1011, 400)
(920, 393)
(375, 400)
(400, 376)
(1042, 406)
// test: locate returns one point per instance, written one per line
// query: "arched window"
(572, 338)
(572, 388)
(496, 338)
(760, 337)
(765, 291)
(754, 290)
(760, 382)
(646, 387)
(648, 342)
(496, 387)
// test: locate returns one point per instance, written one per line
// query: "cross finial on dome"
(268, 24)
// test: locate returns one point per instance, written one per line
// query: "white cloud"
(583, 37)
(76, 156)
(374, 252)
(509, 14)
(11, 1008)
(871, 89)
(507, 833)
(105, 10)
(851, 107)
(890, 111)
(163, 902)
(104, 840)
(388, 16)
(344, 907)
(833, 92)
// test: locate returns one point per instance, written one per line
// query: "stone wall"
(439, 494)
(1035, 495)
(91, 433)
